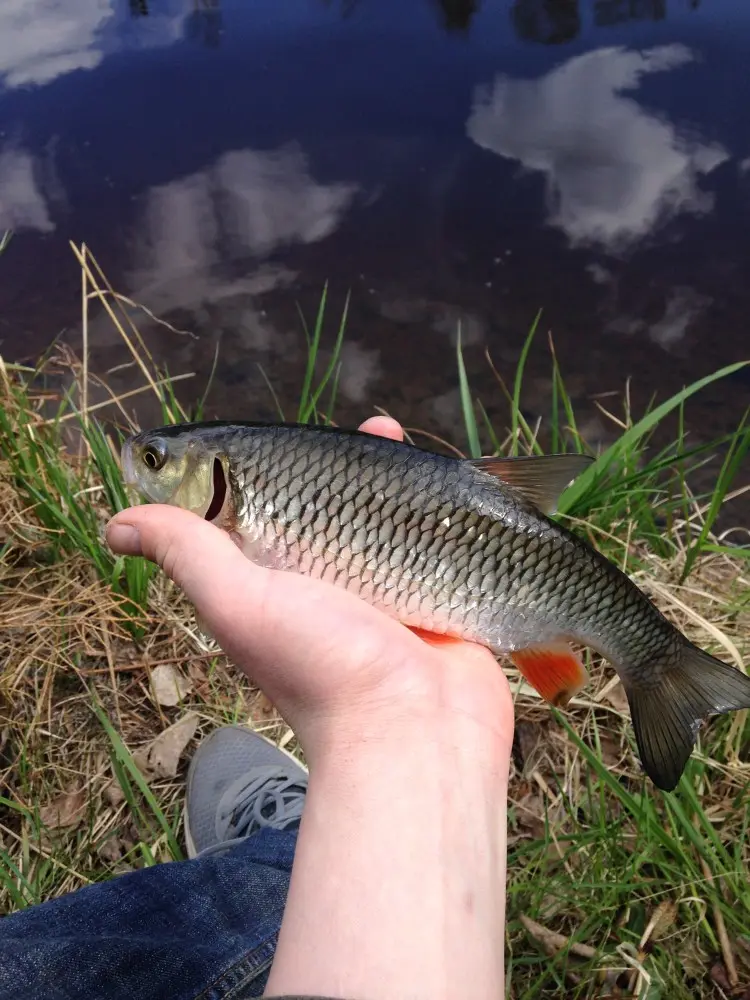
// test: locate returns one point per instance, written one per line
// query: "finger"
(254, 613)
(383, 427)
(192, 552)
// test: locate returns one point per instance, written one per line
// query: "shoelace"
(270, 796)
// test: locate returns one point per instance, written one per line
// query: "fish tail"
(666, 718)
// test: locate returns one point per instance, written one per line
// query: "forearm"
(398, 887)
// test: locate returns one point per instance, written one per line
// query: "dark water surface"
(441, 160)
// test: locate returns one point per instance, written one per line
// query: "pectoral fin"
(433, 638)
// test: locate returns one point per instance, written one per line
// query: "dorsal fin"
(540, 478)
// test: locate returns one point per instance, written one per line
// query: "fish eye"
(154, 456)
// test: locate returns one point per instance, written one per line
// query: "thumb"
(225, 588)
(278, 627)
(194, 553)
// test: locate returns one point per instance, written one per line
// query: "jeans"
(204, 929)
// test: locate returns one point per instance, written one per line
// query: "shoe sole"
(189, 842)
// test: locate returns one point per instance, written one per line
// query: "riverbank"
(106, 687)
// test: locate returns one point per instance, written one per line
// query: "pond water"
(442, 161)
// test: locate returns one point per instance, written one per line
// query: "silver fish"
(455, 547)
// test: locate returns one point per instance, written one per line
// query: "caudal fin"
(666, 719)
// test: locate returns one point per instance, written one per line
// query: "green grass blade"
(556, 441)
(734, 551)
(312, 357)
(629, 439)
(124, 756)
(331, 368)
(274, 397)
(497, 447)
(11, 878)
(560, 393)
(738, 449)
(518, 384)
(467, 407)
(334, 394)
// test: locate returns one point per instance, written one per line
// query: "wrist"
(468, 709)
(400, 864)
(351, 747)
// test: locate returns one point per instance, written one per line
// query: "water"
(443, 161)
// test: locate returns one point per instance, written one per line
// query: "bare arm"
(398, 886)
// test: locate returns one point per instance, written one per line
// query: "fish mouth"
(128, 465)
(133, 492)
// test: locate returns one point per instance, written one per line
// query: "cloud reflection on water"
(243, 207)
(41, 40)
(23, 205)
(613, 169)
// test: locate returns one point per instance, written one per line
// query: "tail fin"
(666, 719)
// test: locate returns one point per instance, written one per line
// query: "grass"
(614, 888)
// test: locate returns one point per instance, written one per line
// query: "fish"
(453, 548)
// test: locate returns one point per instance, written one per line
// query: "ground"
(106, 688)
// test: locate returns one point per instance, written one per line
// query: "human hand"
(408, 743)
(336, 668)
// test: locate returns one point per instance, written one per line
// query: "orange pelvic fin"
(554, 670)
(433, 638)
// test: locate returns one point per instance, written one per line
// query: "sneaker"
(239, 782)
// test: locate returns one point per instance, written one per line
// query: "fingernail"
(124, 539)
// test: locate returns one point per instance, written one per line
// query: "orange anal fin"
(433, 638)
(555, 671)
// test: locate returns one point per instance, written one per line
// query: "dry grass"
(66, 646)
(614, 889)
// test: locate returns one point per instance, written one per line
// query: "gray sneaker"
(239, 782)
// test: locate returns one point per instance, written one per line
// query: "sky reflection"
(612, 168)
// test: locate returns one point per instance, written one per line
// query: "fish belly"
(418, 595)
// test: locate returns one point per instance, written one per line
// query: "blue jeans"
(190, 930)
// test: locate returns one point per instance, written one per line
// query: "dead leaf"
(691, 961)
(162, 756)
(719, 975)
(113, 793)
(112, 849)
(205, 638)
(65, 811)
(611, 750)
(264, 704)
(530, 813)
(197, 674)
(660, 923)
(169, 687)
(552, 942)
(526, 739)
(663, 919)
(123, 868)
(617, 698)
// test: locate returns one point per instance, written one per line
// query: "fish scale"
(306, 476)
(456, 547)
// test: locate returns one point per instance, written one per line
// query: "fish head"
(176, 466)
